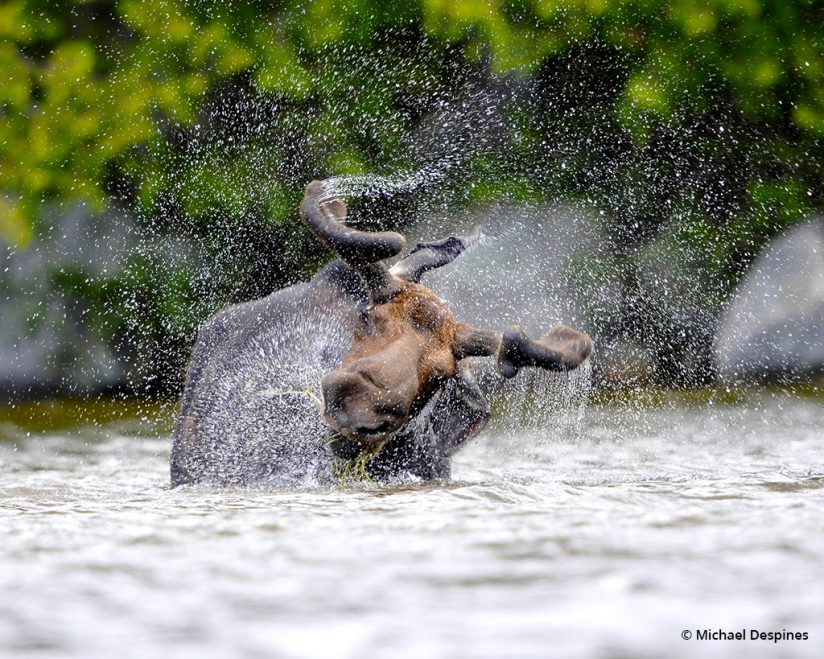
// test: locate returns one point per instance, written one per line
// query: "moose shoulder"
(397, 396)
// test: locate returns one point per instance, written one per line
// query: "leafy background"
(696, 129)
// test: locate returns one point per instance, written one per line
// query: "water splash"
(546, 406)
(367, 186)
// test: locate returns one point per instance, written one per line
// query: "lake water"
(608, 540)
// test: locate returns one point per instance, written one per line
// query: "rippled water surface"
(609, 541)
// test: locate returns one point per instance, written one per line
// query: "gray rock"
(774, 324)
(48, 340)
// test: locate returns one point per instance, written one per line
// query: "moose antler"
(428, 256)
(325, 214)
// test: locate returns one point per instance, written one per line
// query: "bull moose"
(360, 372)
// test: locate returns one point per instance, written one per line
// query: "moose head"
(406, 343)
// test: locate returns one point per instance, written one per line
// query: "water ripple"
(606, 541)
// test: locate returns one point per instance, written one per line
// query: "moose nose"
(350, 406)
(340, 385)
(340, 390)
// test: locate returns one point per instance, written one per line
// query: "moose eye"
(366, 323)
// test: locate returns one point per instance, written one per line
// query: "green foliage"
(136, 416)
(92, 87)
(703, 122)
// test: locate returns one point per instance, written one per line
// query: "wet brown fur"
(414, 313)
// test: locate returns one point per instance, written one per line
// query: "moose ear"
(428, 256)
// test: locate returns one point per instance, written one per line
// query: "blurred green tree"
(701, 121)
(91, 90)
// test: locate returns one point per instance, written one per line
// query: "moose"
(361, 371)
